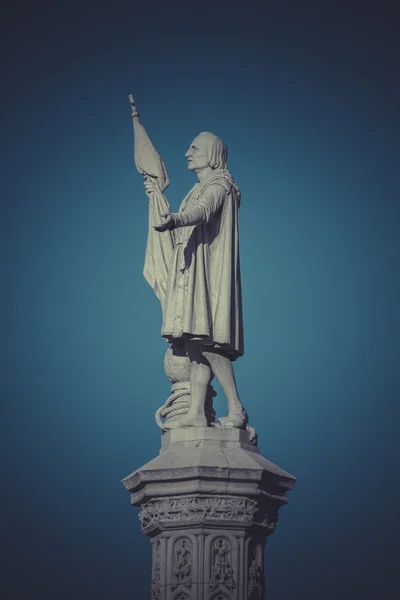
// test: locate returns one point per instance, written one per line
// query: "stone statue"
(192, 263)
(208, 500)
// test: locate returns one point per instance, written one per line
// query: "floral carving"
(222, 571)
(193, 508)
(182, 564)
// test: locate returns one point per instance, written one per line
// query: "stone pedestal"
(207, 503)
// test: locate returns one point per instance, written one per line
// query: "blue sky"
(306, 96)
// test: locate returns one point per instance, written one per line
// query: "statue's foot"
(186, 421)
(236, 418)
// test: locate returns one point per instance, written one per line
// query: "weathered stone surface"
(208, 501)
(192, 263)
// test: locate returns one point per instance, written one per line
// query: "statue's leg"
(200, 377)
(223, 371)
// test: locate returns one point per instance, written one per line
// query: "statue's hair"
(218, 150)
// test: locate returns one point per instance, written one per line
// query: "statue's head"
(207, 150)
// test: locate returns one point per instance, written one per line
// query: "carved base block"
(208, 503)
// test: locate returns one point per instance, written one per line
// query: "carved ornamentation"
(222, 573)
(177, 369)
(253, 434)
(177, 364)
(268, 524)
(256, 578)
(156, 572)
(182, 564)
(193, 508)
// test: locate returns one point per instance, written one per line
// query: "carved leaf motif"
(193, 508)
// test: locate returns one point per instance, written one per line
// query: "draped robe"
(203, 299)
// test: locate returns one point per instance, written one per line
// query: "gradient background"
(306, 95)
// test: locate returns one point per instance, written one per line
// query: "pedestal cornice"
(207, 502)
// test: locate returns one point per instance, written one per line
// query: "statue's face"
(198, 154)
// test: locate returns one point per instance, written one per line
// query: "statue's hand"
(150, 186)
(167, 224)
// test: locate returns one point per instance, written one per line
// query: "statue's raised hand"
(150, 186)
(168, 223)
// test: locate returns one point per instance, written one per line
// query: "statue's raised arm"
(159, 249)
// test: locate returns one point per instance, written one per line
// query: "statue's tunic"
(203, 297)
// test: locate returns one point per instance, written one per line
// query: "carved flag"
(160, 246)
(147, 159)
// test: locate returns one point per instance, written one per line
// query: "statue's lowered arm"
(159, 248)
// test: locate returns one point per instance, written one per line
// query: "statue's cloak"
(203, 300)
